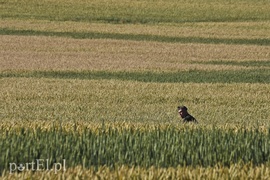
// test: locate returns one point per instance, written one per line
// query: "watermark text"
(38, 165)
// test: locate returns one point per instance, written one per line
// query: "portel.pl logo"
(38, 165)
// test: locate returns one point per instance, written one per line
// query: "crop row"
(196, 76)
(121, 11)
(168, 147)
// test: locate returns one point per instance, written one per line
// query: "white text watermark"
(38, 165)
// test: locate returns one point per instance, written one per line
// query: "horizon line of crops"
(194, 76)
(136, 37)
(168, 147)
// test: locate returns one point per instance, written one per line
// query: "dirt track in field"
(53, 53)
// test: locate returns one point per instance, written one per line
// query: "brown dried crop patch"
(55, 53)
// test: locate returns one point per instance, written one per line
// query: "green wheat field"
(89, 89)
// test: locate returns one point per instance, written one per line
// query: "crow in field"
(182, 110)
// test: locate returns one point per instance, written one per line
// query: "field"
(89, 90)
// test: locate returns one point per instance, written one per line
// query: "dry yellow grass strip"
(51, 53)
(80, 126)
(235, 171)
(231, 30)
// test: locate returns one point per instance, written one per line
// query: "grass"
(138, 11)
(186, 147)
(236, 171)
(140, 37)
(193, 76)
(39, 53)
(132, 101)
(239, 63)
(226, 30)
